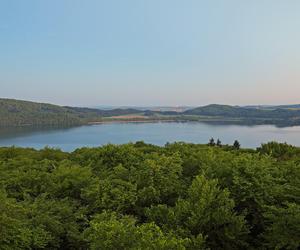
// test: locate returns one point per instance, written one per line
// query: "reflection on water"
(159, 133)
(6, 133)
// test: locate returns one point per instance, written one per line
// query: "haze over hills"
(292, 106)
(144, 108)
(26, 113)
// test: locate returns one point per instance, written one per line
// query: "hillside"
(25, 113)
(243, 112)
(272, 107)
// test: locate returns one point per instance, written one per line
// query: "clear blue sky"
(150, 52)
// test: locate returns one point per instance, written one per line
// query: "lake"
(159, 133)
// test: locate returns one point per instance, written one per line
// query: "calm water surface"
(69, 139)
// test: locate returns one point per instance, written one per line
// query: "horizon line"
(97, 106)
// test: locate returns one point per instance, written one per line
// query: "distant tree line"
(236, 144)
(24, 113)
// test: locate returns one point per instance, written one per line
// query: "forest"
(142, 196)
(17, 113)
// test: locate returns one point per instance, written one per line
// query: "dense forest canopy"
(24, 113)
(141, 196)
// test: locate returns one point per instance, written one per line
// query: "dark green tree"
(211, 142)
(283, 231)
(236, 145)
(209, 211)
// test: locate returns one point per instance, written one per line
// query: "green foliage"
(14, 231)
(140, 196)
(284, 229)
(110, 231)
(209, 211)
(59, 219)
(206, 211)
(280, 151)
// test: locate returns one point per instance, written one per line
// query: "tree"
(69, 180)
(219, 143)
(284, 229)
(60, 220)
(14, 228)
(236, 145)
(158, 180)
(112, 231)
(211, 142)
(281, 151)
(209, 211)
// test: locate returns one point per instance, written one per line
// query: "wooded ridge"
(25, 113)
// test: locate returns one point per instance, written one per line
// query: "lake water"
(159, 133)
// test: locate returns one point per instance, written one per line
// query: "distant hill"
(25, 113)
(225, 111)
(147, 108)
(295, 106)
(268, 107)
(237, 111)
(281, 116)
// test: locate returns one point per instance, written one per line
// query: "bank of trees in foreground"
(139, 196)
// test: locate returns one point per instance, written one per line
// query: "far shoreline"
(131, 121)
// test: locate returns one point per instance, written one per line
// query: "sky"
(150, 52)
